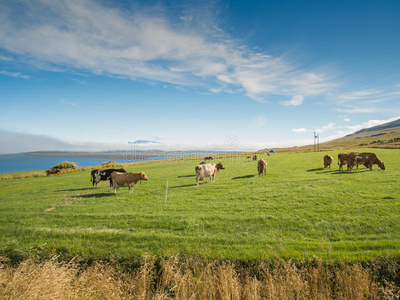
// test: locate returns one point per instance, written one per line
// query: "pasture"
(299, 210)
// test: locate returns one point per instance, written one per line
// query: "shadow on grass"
(182, 186)
(313, 170)
(80, 189)
(97, 195)
(348, 172)
(244, 177)
(186, 176)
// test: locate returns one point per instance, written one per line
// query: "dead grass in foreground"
(178, 278)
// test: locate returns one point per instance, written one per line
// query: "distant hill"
(382, 136)
(390, 125)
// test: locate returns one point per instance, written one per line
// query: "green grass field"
(298, 211)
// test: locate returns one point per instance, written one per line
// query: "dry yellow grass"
(189, 278)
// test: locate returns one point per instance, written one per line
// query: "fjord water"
(17, 163)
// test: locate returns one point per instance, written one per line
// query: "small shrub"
(109, 164)
(66, 165)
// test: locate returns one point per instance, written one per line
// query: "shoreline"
(140, 160)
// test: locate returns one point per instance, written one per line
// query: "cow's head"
(143, 176)
(122, 170)
(97, 175)
(220, 166)
(382, 165)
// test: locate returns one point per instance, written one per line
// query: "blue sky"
(215, 75)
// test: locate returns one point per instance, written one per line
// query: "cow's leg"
(197, 179)
(115, 187)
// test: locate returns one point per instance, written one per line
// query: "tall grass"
(189, 278)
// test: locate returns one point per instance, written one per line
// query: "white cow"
(207, 170)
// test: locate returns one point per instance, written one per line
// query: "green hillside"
(299, 210)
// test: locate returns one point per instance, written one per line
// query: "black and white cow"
(99, 175)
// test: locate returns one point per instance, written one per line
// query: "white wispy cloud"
(62, 101)
(360, 95)
(345, 118)
(299, 130)
(358, 110)
(330, 126)
(296, 100)
(366, 100)
(91, 37)
(15, 74)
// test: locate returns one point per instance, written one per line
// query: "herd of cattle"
(120, 178)
(354, 159)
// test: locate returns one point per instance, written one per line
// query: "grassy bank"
(298, 211)
(178, 277)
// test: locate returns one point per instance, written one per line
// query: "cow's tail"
(338, 159)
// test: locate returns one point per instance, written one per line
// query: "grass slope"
(299, 210)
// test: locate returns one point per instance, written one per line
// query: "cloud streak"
(88, 36)
(296, 101)
(14, 74)
(62, 101)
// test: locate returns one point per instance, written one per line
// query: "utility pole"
(314, 140)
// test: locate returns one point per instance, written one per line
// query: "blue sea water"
(10, 163)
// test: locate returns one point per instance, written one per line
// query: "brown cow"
(328, 159)
(255, 157)
(367, 159)
(342, 160)
(262, 167)
(207, 170)
(126, 179)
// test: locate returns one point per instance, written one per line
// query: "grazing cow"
(52, 171)
(126, 179)
(328, 159)
(367, 159)
(202, 163)
(262, 167)
(208, 158)
(255, 157)
(248, 156)
(342, 160)
(207, 170)
(99, 175)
